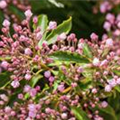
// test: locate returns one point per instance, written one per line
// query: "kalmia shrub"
(48, 74)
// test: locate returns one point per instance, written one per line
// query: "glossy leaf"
(69, 57)
(64, 27)
(108, 113)
(79, 113)
(87, 51)
(34, 80)
(4, 79)
(42, 23)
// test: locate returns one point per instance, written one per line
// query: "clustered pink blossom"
(21, 5)
(25, 59)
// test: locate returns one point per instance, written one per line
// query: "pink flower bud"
(61, 88)
(3, 4)
(118, 81)
(93, 36)
(27, 88)
(108, 88)
(33, 92)
(74, 85)
(38, 36)
(20, 96)
(62, 36)
(28, 76)
(7, 109)
(15, 84)
(51, 79)
(52, 25)
(112, 82)
(35, 20)
(80, 69)
(107, 26)
(94, 90)
(96, 62)
(47, 74)
(64, 116)
(6, 23)
(47, 110)
(5, 65)
(28, 51)
(28, 14)
(109, 42)
(110, 17)
(45, 44)
(104, 63)
(104, 104)
(4, 97)
(32, 114)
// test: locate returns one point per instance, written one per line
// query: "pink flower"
(7, 109)
(27, 88)
(112, 82)
(74, 84)
(33, 92)
(110, 17)
(28, 14)
(35, 19)
(108, 88)
(93, 36)
(109, 42)
(94, 90)
(32, 114)
(47, 74)
(15, 83)
(3, 4)
(5, 65)
(105, 6)
(64, 116)
(104, 63)
(6, 23)
(52, 25)
(80, 70)
(62, 36)
(104, 104)
(51, 79)
(107, 26)
(20, 96)
(61, 88)
(4, 97)
(28, 76)
(118, 81)
(32, 107)
(96, 62)
(28, 51)
(38, 35)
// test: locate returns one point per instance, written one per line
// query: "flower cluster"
(54, 80)
(105, 6)
(21, 5)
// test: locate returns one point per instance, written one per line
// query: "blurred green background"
(84, 20)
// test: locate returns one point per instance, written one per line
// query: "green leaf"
(42, 22)
(117, 72)
(35, 79)
(117, 88)
(4, 79)
(68, 57)
(86, 51)
(14, 10)
(1, 18)
(65, 27)
(108, 113)
(79, 113)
